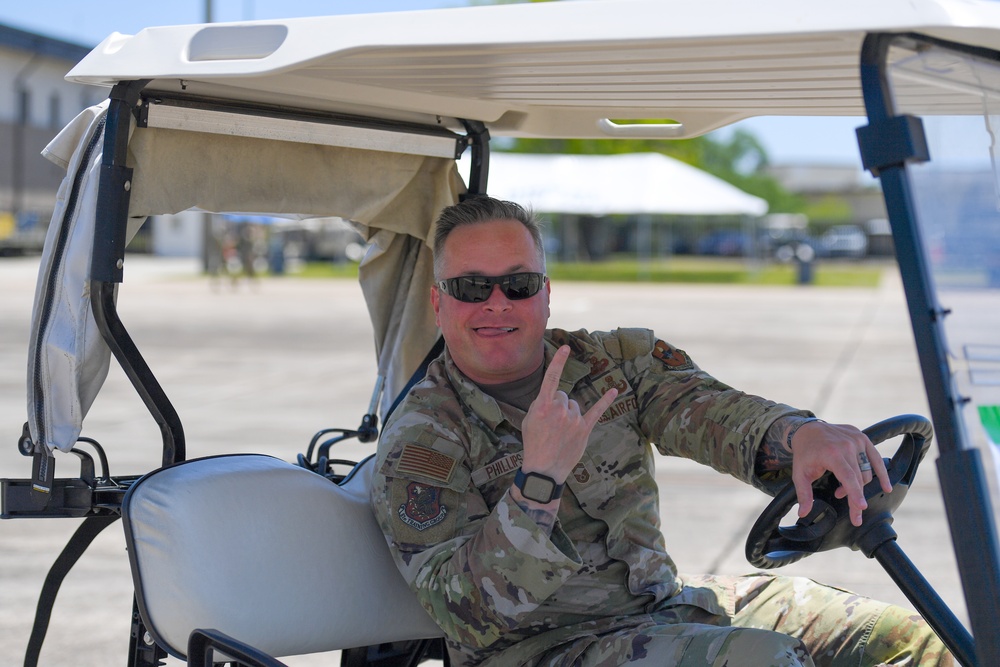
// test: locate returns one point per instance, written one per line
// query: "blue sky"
(87, 22)
(90, 21)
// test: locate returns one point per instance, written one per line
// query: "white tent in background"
(633, 183)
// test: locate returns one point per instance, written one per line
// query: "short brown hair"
(479, 209)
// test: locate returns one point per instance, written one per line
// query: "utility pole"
(211, 250)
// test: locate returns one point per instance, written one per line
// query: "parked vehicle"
(22, 234)
(787, 244)
(726, 243)
(844, 241)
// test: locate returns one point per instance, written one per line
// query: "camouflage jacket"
(495, 582)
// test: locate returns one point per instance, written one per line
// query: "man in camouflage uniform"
(515, 486)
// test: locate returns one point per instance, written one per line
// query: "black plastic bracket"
(892, 142)
(143, 651)
(65, 498)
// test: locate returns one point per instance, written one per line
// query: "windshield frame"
(891, 144)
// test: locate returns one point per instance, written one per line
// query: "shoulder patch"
(422, 508)
(424, 462)
(672, 357)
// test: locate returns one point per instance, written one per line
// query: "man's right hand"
(555, 432)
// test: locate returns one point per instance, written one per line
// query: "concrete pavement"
(260, 367)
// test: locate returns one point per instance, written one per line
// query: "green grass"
(676, 270)
(719, 271)
(327, 270)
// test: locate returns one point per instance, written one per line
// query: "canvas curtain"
(392, 198)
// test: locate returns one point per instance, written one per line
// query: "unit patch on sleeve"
(423, 508)
(424, 462)
(671, 356)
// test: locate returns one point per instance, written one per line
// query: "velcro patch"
(498, 468)
(625, 401)
(619, 408)
(424, 462)
(614, 379)
(423, 508)
(671, 356)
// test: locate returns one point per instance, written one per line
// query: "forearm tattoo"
(546, 519)
(775, 453)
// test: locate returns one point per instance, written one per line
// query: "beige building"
(35, 103)
(857, 188)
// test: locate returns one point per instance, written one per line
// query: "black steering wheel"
(828, 525)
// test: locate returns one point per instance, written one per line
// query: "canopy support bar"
(479, 172)
(192, 114)
(108, 261)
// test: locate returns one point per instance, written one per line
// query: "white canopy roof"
(606, 184)
(551, 69)
(565, 69)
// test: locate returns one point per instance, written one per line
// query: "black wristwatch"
(535, 486)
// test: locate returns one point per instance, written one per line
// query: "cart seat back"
(267, 552)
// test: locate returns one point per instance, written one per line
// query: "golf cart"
(364, 117)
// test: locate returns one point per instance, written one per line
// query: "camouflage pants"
(775, 622)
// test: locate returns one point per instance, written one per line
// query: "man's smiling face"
(497, 340)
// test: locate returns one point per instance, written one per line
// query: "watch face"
(538, 488)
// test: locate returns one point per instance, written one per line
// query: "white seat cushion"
(267, 552)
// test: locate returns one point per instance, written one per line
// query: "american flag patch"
(426, 463)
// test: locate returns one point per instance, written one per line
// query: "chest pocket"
(613, 440)
(589, 485)
(614, 455)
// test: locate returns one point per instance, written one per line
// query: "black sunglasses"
(473, 289)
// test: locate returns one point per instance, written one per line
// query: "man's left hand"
(818, 447)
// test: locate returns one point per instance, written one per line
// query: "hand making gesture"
(555, 432)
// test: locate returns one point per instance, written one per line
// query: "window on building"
(55, 112)
(24, 107)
